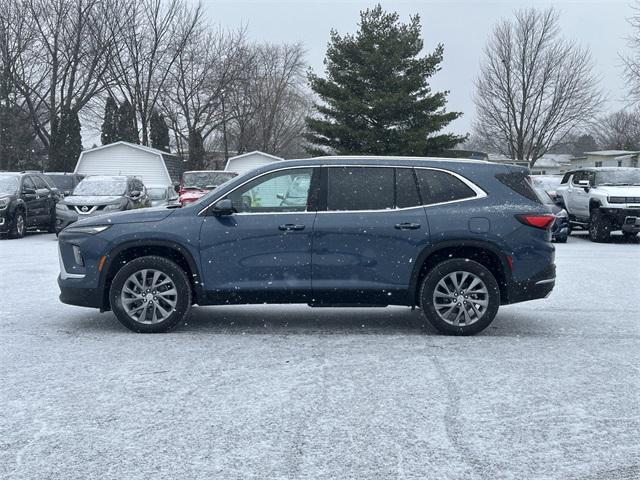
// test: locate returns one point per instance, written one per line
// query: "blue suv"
(457, 238)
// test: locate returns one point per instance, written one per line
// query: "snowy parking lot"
(551, 390)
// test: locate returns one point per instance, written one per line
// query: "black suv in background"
(26, 201)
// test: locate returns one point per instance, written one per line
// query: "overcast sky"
(461, 25)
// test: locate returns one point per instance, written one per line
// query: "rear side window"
(438, 187)
(360, 188)
(406, 189)
(519, 182)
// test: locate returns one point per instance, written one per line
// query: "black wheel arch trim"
(178, 248)
(431, 249)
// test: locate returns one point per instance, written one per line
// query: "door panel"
(262, 253)
(366, 257)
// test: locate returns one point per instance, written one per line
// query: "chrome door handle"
(288, 227)
(407, 226)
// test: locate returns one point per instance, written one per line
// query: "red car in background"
(196, 184)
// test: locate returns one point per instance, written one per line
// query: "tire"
(562, 239)
(129, 307)
(629, 236)
(466, 272)
(599, 226)
(19, 225)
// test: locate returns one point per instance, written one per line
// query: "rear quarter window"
(520, 183)
(437, 186)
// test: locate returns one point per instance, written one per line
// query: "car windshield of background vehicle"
(626, 176)
(206, 180)
(157, 193)
(101, 187)
(8, 184)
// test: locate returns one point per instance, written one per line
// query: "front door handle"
(407, 226)
(288, 227)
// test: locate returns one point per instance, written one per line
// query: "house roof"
(132, 145)
(612, 153)
(273, 157)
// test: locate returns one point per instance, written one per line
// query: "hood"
(130, 216)
(619, 191)
(193, 195)
(7, 195)
(91, 200)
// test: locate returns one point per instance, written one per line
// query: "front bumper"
(79, 296)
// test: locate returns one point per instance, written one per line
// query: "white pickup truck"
(602, 199)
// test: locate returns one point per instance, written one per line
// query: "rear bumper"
(539, 287)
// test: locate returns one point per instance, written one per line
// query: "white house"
(607, 158)
(153, 166)
(249, 161)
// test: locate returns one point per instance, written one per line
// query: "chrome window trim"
(479, 192)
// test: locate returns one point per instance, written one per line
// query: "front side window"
(438, 187)
(282, 191)
(40, 183)
(360, 188)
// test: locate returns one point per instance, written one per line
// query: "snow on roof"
(132, 145)
(254, 152)
(612, 153)
(394, 157)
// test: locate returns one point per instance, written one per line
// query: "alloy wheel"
(149, 296)
(461, 298)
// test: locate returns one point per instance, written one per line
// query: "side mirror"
(135, 193)
(28, 191)
(176, 187)
(223, 207)
(280, 196)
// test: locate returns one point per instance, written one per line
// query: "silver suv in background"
(100, 194)
(602, 200)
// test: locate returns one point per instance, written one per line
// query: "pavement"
(551, 390)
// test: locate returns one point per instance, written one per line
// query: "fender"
(181, 249)
(434, 248)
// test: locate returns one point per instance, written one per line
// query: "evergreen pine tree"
(376, 98)
(159, 132)
(110, 122)
(127, 124)
(66, 142)
(197, 153)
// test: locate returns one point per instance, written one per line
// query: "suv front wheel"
(599, 226)
(460, 297)
(150, 295)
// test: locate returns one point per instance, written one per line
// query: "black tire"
(599, 226)
(19, 227)
(168, 268)
(629, 236)
(562, 239)
(439, 272)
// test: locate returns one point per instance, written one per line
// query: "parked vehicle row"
(456, 238)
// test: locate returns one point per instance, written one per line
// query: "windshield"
(8, 184)
(101, 186)
(63, 182)
(623, 176)
(205, 180)
(157, 193)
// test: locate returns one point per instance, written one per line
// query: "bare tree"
(208, 65)
(632, 60)
(619, 130)
(534, 87)
(150, 36)
(268, 110)
(64, 48)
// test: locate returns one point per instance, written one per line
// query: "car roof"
(601, 169)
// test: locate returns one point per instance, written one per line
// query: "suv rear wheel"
(460, 297)
(599, 226)
(150, 295)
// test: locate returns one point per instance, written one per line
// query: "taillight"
(543, 221)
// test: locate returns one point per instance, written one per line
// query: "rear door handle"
(407, 226)
(288, 227)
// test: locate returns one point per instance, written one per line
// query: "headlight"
(617, 199)
(112, 207)
(4, 202)
(87, 230)
(562, 214)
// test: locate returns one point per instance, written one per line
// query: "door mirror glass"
(29, 191)
(223, 207)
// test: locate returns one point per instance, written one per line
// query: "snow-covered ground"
(550, 391)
